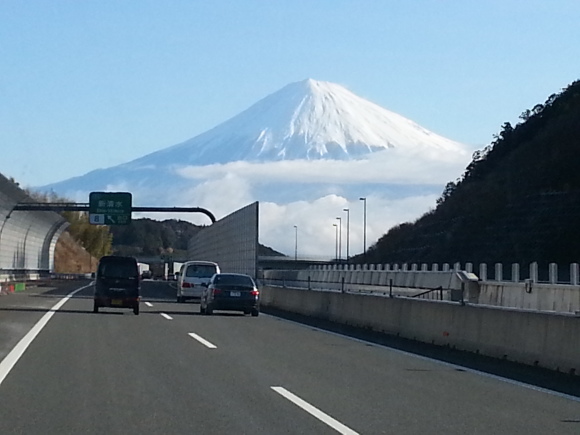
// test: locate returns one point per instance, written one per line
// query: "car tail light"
(255, 292)
(216, 291)
(187, 285)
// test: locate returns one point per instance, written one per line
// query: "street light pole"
(295, 242)
(347, 233)
(339, 239)
(335, 241)
(364, 200)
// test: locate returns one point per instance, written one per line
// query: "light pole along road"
(347, 233)
(339, 239)
(364, 200)
(295, 242)
(65, 370)
(335, 241)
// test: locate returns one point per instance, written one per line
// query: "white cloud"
(223, 189)
(385, 167)
(223, 195)
(315, 219)
(220, 196)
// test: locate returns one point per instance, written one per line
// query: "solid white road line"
(325, 418)
(202, 340)
(149, 304)
(12, 358)
(167, 316)
(443, 363)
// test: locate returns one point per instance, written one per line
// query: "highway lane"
(114, 372)
(19, 311)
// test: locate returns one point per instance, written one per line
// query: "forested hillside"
(148, 237)
(518, 200)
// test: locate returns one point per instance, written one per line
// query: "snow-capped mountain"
(308, 153)
(304, 120)
(307, 120)
(309, 140)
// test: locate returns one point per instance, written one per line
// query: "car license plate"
(116, 301)
(235, 294)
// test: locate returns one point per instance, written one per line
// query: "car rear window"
(118, 269)
(200, 271)
(241, 280)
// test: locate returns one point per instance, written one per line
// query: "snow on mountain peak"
(308, 120)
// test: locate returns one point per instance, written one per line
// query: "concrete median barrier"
(533, 338)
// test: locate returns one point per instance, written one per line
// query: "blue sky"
(92, 84)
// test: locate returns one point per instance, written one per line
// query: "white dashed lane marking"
(325, 418)
(202, 340)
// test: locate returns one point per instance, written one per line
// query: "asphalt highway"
(170, 370)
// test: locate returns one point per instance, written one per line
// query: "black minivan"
(117, 283)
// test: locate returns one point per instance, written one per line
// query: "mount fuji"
(304, 120)
(307, 120)
(311, 142)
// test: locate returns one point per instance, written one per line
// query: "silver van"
(193, 277)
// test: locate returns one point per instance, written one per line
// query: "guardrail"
(456, 285)
(438, 293)
(14, 283)
(8, 276)
(70, 276)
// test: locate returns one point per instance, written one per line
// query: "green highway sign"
(110, 208)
